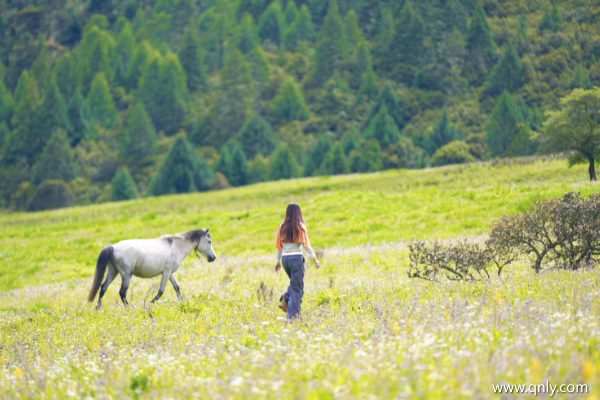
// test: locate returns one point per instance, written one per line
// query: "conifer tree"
(335, 162)
(191, 59)
(407, 44)
(580, 79)
(52, 113)
(258, 169)
(506, 128)
(317, 155)
(290, 38)
(224, 165)
(291, 13)
(259, 64)
(77, 115)
(100, 103)
(353, 32)
(332, 48)
(248, 34)
(523, 25)
(289, 103)
(123, 186)
(138, 140)
(480, 45)
(25, 140)
(305, 28)
(383, 128)
(141, 56)
(56, 161)
(368, 88)
(366, 157)
(284, 164)
(443, 132)
(94, 57)
(350, 140)
(552, 19)
(163, 89)
(7, 104)
(256, 136)
(508, 73)
(239, 166)
(184, 171)
(393, 103)
(124, 52)
(272, 23)
(66, 75)
(40, 69)
(454, 16)
(4, 131)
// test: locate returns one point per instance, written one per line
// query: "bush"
(562, 232)
(460, 261)
(51, 195)
(457, 152)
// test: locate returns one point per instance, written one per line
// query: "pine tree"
(259, 64)
(393, 103)
(138, 140)
(248, 39)
(368, 88)
(184, 171)
(289, 104)
(361, 62)
(332, 48)
(508, 73)
(480, 46)
(141, 56)
(191, 59)
(124, 53)
(552, 19)
(383, 128)
(272, 24)
(366, 157)
(77, 118)
(454, 16)
(350, 140)
(100, 103)
(284, 165)
(66, 75)
(291, 13)
(407, 44)
(305, 28)
(506, 123)
(224, 165)
(258, 169)
(4, 131)
(123, 186)
(52, 113)
(56, 161)
(40, 69)
(25, 141)
(353, 32)
(239, 167)
(94, 58)
(443, 132)
(256, 136)
(7, 104)
(163, 89)
(523, 26)
(317, 155)
(335, 162)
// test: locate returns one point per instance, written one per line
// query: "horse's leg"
(110, 277)
(125, 280)
(176, 287)
(163, 284)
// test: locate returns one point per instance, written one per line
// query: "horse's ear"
(207, 229)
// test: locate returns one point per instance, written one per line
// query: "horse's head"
(205, 246)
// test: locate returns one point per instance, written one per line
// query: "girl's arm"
(306, 245)
(279, 250)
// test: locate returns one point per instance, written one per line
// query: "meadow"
(367, 330)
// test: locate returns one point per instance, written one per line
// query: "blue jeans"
(294, 268)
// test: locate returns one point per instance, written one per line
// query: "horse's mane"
(194, 236)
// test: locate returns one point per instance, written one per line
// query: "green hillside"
(342, 211)
(108, 100)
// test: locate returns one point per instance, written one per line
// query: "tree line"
(105, 100)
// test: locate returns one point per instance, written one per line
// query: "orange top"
(302, 239)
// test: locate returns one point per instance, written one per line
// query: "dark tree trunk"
(592, 170)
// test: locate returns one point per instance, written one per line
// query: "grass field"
(367, 331)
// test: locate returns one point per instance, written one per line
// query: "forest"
(106, 100)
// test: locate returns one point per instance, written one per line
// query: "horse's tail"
(103, 260)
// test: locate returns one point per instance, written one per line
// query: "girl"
(292, 237)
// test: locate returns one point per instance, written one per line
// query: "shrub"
(457, 152)
(561, 231)
(50, 195)
(461, 261)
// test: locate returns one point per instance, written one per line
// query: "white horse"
(147, 258)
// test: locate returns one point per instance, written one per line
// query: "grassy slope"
(341, 211)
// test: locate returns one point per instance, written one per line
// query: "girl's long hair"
(293, 224)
